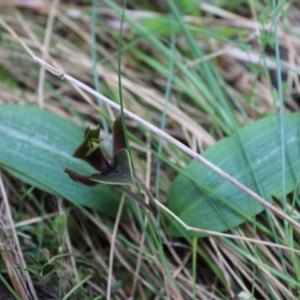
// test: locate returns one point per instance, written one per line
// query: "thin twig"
(47, 38)
(112, 248)
(142, 240)
(226, 235)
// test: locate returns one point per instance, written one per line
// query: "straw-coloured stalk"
(13, 273)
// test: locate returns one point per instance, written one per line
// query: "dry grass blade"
(111, 255)
(8, 254)
(49, 28)
(20, 288)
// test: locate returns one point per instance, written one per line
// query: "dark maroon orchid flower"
(117, 173)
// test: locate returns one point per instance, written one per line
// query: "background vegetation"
(209, 74)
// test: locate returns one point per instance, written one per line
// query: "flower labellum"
(118, 173)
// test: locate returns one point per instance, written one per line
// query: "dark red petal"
(118, 135)
(90, 151)
(121, 174)
(97, 160)
(80, 178)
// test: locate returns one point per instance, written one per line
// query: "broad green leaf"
(36, 146)
(203, 199)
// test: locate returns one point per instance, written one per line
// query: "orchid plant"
(118, 172)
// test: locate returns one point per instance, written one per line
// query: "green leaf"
(47, 269)
(121, 175)
(90, 143)
(203, 199)
(86, 264)
(160, 25)
(116, 286)
(36, 146)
